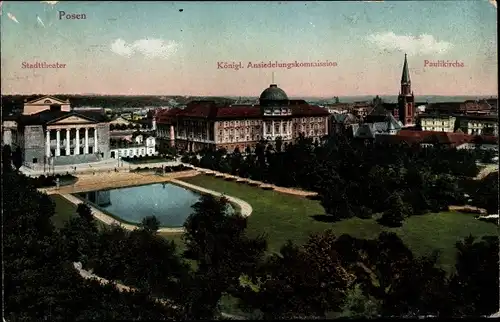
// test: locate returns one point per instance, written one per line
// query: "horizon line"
(244, 96)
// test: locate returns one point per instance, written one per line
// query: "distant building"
(139, 147)
(473, 124)
(387, 125)
(437, 122)
(206, 124)
(431, 138)
(339, 124)
(50, 133)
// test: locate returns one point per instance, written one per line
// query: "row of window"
(256, 122)
(133, 152)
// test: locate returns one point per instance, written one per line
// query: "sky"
(176, 48)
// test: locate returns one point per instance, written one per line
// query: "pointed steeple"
(405, 78)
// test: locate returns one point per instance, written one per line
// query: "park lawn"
(282, 217)
(64, 210)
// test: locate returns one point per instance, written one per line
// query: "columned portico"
(71, 141)
(86, 151)
(58, 142)
(77, 145)
(67, 142)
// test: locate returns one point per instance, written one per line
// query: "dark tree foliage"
(387, 271)
(84, 211)
(17, 158)
(151, 224)
(300, 281)
(217, 240)
(39, 283)
(6, 158)
(485, 193)
(474, 286)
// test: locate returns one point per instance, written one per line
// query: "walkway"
(95, 167)
(121, 287)
(109, 180)
(291, 191)
(488, 168)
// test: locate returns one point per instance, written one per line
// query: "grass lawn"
(282, 217)
(64, 211)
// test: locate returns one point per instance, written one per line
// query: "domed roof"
(273, 93)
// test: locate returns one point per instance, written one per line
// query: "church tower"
(406, 100)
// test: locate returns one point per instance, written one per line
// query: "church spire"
(405, 78)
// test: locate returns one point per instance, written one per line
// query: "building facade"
(206, 124)
(139, 147)
(438, 123)
(50, 133)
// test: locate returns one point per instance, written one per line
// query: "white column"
(95, 140)
(273, 128)
(58, 142)
(77, 142)
(67, 142)
(47, 144)
(86, 151)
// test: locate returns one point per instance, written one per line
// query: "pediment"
(46, 100)
(73, 119)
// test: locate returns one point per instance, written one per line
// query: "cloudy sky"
(173, 48)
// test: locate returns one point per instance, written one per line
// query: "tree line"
(355, 179)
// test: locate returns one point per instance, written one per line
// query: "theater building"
(49, 132)
(206, 124)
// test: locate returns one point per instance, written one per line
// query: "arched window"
(47, 102)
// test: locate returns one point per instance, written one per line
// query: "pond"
(171, 204)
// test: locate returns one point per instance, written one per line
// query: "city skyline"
(160, 48)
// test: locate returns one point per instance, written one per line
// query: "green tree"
(474, 285)
(217, 240)
(151, 224)
(397, 211)
(6, 158)
(17, 158)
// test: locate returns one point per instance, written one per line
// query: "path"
(291, 191)
(488, 168)
(108, 180)
(121, 287)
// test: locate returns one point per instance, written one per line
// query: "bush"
(209, 174)
(253, 184)
(229, 179)
(267, 188)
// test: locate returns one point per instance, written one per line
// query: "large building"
(49, 132)
(206, 124)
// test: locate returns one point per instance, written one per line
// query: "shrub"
(229, 179)
(253, 184)
(267, 188)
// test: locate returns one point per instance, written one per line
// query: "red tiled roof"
(209, 109)
(229, 112)
(452, 139)
(309, 110)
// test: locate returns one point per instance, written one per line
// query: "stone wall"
(34, 144)
(76, 159)
(103, 139)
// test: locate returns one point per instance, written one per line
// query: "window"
(47, 102)
(35, 160)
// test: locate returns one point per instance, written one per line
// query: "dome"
(273, 93)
